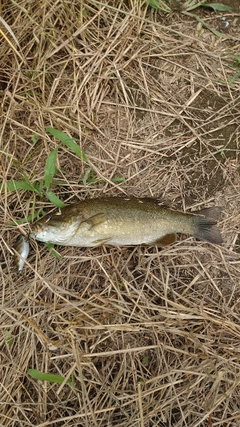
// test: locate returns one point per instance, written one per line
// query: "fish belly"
(119, 233)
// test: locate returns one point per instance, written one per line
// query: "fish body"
(22, 248)
(123, 222)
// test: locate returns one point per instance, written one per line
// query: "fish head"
(56, 229)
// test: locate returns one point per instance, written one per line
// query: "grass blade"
(50, 247)
(204, 24)
(217, 6)
(54, 199)
(51, 378)
(69, 142)
(20, 185)
(29, 218)
(235, 77)
(159, 4)
(50, 167)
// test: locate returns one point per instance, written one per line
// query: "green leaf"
(50, 167)
(237, 59)
(50, 246)
(62, 136)
(39, 186)
(54, 199)
(51, 378)
(35, 185)
(235, 77)
(204, 24)
(29, 218)
(35, 137)
(154, 4)
(216, 6)
(8, 337)
(88, 177)
(118, 179)
(69, 142)
(20, 185)
(160, 4)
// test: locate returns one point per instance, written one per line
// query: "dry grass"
(150, 337)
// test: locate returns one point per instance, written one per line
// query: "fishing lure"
(22, 248)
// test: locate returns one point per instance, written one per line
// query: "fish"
(22, 248)
(118, 221)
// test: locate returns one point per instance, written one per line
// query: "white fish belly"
(120, 235)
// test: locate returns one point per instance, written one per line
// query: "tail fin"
(205, 221)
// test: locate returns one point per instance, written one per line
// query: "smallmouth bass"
(124, 222)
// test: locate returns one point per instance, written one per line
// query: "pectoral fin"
(94, 220)
(99, 242)
(166, 240)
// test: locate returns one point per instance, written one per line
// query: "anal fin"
(166, 240)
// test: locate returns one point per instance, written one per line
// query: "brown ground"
(151, 338)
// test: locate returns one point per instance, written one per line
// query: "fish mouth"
(51, 233)
(35, 230)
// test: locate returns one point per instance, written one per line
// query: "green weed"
(236, 64)
(51, 378)
(50, 247)
(8, 337)
(168, 6)
(43, 188)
